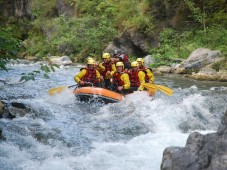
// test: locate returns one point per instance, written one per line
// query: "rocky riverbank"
(202, 152)
(202, 64)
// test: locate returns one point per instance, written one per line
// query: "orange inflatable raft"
(89, 94)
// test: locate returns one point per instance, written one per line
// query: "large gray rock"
(197, 60)
(132, 42)
(202, 152)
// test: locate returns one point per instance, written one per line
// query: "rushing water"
(61, 133)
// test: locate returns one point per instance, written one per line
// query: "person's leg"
(113, 87)
(107, 83)
(132, 89)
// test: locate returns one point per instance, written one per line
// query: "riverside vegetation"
(85, 28)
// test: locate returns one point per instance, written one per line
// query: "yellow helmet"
(89, 58)
(134, 64)
(140, 60)
(91, 61)
(119, 64)
(106, 55)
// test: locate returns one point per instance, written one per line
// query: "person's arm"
(113, 67)
(115, 60)
(98, 75)
(125, 79)
(81, 74)
(141, 75)
(110, 73)
(101, 67)
(150, 75)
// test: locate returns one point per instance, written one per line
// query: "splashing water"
(61, 133)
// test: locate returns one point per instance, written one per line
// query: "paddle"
(154, 87)
(165, 89)
(150, 86)
(59, 89)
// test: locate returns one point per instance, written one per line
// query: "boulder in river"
(11, 110)
(63, 60)
(202, 152)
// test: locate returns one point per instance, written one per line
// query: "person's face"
(91, 66)
(105, 60)
(140, 63)
(134, 68)
(119, 68)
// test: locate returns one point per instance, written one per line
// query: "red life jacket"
(146, 76)
(90, 76)
(108, 67)
(134, 78)
(117, 78)
(123, 57)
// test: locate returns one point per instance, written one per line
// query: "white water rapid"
(59, 133)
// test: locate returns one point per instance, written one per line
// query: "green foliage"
(96, 23)
(196, 12)
(42, 8)
(176, 44)
(9, 46)
(88, 33)
(44, 69)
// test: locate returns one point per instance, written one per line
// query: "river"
(61, 133)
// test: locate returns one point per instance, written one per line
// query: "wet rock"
(206, 74)
(202, 152)
(11, 110)
(177, 158)
(64, 60)
(164, 69)
(1, 136)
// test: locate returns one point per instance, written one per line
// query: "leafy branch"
(44, 69)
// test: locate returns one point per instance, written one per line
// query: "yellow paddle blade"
(168, 91)
(57, 90)
(154, 87)
(149, 86)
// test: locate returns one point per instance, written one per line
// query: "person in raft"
(149, 77)
(120, 80)
(119, 56)
(136, 77)
(105, 68)
(88, 76)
